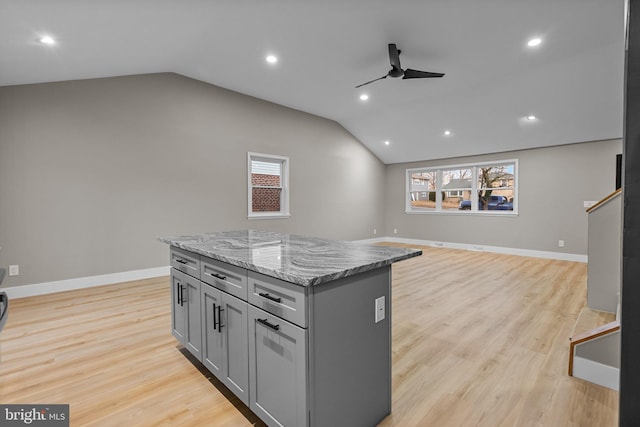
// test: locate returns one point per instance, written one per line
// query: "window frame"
(409, 209)
(284, 185)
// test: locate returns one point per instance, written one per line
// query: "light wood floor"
(479, 339)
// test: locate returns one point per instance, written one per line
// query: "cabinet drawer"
(283, 299)
(226, 277)
(185, 261)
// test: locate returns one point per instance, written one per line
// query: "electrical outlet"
(375, 231)
(395, 231)
(561, 243)
(14, 270)
(379, 309)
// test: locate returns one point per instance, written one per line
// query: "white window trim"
(284, 178)
(474, 203)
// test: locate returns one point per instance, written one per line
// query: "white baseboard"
(83, 282)
(597, 373)
(483, 248)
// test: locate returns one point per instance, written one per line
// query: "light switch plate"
(380, 312)
(14, 270)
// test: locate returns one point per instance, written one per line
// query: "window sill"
(269, 216)
(464, 213)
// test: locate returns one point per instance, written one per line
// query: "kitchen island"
(298, 328)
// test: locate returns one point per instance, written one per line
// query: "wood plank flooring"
(479, 339)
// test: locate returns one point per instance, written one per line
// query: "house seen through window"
(481, 188)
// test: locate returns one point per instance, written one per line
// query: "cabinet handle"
(180, 294)
(220, 310)
(181, 261)
(265, 322)
(218, 276)
(267, 296)
(215, 324)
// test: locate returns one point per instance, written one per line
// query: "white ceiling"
(573, 82)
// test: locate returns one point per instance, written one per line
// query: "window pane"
(422, 191)
(266, 174)
(456, 188)
(423, 199)
(423, 181)
(266, 199)
(499, 176)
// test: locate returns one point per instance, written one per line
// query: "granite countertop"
(306, 261)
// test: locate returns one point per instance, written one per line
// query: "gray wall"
(553, 184)
(92, 171)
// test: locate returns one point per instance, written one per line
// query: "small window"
(268, 186)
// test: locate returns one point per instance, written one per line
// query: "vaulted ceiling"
(572, 82)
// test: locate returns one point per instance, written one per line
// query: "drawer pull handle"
(218, 276)
(182, 298)
(265, 322)
(179, 293)
(220, 310)
(215, 323)
(181, 261)
(267, 296)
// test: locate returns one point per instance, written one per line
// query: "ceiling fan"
(397, 71)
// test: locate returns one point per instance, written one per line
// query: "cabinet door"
(212, 338)
(277, 370)
(178, 306)
(236, 346)
(193, 336)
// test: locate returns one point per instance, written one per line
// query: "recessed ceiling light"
(447, 132)
(364, 97)
(531, 117)
(387, 143)
(534, 42)
(47, 40)
(272, 59)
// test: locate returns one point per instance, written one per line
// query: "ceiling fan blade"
(374, 80)
(417, 74)
(394, 56)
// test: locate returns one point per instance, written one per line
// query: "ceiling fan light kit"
(397, 71)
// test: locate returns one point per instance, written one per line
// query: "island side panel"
(350, 354)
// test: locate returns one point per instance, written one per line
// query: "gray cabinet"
(185, 317)
(212, 338)
(224, 339)
(178, 308)
(277, 369)
(298, 356)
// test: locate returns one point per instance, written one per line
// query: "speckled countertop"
(306, 261)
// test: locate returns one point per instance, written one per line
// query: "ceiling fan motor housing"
(396, 72)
